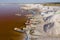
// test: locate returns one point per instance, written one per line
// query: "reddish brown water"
(8, 21)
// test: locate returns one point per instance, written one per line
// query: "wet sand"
(8, 21)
